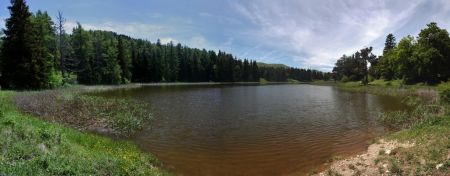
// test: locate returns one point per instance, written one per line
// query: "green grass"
(293, 81)
(263, 81)
(322, 82)
(393, 88)
(30, 146)
(393, 83)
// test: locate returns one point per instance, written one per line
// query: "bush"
(444, 92)
(55, 80)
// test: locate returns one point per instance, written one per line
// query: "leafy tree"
(367, 57)
(402, 60)
(434, 53)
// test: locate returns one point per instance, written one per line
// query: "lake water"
(256, 129)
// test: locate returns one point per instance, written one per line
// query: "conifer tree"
(17, 51)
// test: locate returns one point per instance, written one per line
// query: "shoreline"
(421, 148)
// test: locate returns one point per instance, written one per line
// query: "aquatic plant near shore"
(444, 92)
(118, 117)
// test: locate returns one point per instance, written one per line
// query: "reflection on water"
(256, 130)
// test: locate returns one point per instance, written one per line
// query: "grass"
(293, 81)
(263, 81)
(75, 108)
(31, 146)
(426, 125)
(322, 82)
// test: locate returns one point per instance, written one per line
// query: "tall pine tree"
(43, 49)
(83, 52)
(17, 48)
(389, 44)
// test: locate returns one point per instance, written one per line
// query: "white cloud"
(319, 32)
(134, 29)
(168, 40)
(2, 22)
(199, 42)
(150, 32)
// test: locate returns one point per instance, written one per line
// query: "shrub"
(55, 79)
(395, 167)
(444, 92)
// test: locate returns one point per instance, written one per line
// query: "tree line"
(421, 59)
(37, 53)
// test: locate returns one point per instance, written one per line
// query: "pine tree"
(83, 52)
(389, 44)
(124, 60)
(43, 49)
(16, 50)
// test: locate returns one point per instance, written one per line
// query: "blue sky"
(298, 33)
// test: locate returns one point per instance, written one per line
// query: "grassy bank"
(32, 146)
(425, 129)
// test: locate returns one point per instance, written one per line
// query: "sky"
(298, 33)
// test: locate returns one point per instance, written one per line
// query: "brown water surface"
(256, 130)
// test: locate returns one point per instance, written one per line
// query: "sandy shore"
(366, 163)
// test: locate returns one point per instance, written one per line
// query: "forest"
(421, 59)
(37, 53)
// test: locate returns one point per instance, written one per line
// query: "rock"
(43, 148)
(388, 152)
(439, 166)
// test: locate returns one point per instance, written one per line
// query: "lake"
(244, 129)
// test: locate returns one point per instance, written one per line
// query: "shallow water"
(256, 130)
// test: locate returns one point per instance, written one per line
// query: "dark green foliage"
(136, 60)
(28, 50)
(354, 68)
(281, 74)
(425, 59)
(84, 53)
(434, 52)
(44, 48)
(17, 49)
(390, 44)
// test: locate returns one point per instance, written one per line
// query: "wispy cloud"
(2, 22)
(151, 32)
(135, 29)
(316, 33)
